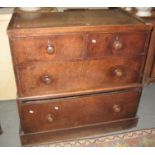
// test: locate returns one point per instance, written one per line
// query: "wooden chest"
(78, 73)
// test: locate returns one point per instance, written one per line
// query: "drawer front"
(68, 77)
(102, 44)
(39, 116)
(53, 48)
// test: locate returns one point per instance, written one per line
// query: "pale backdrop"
(7, 80)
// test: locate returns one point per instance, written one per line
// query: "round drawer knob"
(46, 79)
(50, 49)
(116, 108)
(118, 72)
(117, 45)
(50, 118)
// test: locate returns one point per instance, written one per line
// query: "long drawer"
(43, 115)
(68, 77)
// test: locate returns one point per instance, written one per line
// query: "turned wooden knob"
(50, 118)
(118, 72)
(47, 79)
(116, 108)
(50, 49)
(117, 45)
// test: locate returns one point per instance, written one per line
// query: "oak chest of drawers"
(78, 73)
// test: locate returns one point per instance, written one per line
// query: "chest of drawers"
(78, 73)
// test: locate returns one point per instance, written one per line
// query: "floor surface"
(9, 118)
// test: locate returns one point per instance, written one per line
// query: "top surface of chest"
(73, 18)
(31, 24)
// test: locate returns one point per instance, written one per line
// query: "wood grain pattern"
(77, 72)
(72, 18)
(70, 46)
(36, 24)
(150, 63)
(78, 75)
(100, 44)
(77, 133)
(43, 115)
(149, 72)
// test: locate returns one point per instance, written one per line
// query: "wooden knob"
(46, 79)
(50, 49)
(118, 72)
(116, 108)
(117, 45)
(50, 118)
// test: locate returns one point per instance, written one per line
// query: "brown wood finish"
(70, 19)
(59, 77)
(65, 47)
(83, 92)
(43, 24)
(149, 72)
(77, 133)
(62, 113)
(150, 64)
(77, 29)
(100, 44)
(81, 71)
(70, 47)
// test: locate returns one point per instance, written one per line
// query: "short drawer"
(78, 76)
(58, 47)
(37, 116)
(104, 44)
